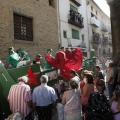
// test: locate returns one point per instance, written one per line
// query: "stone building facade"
(35, 27)
(115, 24)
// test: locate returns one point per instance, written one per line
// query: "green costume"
(13, 59)
(46, 64)
(24, 53)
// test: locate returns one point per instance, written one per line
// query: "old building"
(28, 24)
(115, 25)
(99, 30)
(73, 24)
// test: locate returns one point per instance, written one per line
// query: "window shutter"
(75, 34)
(73, 8)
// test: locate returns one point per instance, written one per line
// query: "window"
(96, 12)
(99, 50)
(91, 8)
(73, 8)
(75, 34)
(102, 35)
(92, 15)
(23, 28)
(82, 37)
(65, 34)
(93, 31)
(52, 3)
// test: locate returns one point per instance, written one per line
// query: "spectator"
(98, 75)
(109, 78)
(71, 100)
(108, 62)
(74, 75)
(86, 91)
(116, 103)
(98, 105)
(60, 108)
(44, 99)
(19, 98)
(83, 73)
(115, 76)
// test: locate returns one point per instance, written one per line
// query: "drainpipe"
(59, 23)
(88, 28)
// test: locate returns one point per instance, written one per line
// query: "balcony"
(76, 43)
(105, 41)
(104, 27)
(75, 18)
(96, 38)
(76, 2)
(110, 42)
(95, 22)
(109, 30)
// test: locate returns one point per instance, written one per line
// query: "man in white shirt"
(108, 62)
(109, 78)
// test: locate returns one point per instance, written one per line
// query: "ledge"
(76, 24)
(76, 3)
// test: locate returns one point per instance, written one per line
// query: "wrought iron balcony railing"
(105, 41)
(110, 42)
(76, 19)
(96, 38)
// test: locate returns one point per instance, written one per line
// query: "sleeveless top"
(84, 100)
(72, 102)
(114, 108)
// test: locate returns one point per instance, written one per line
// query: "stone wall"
(115, 24)
(45, 26)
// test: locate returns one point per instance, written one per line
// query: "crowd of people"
(76, 17)
(76, 99)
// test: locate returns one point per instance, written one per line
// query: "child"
(116, 103)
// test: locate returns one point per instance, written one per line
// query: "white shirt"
(110, 73)
(44, 95)
(108, 62)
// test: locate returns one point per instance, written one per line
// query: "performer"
(60, 58)
(46, 63)
(23, 54)
(65, 65)
(68, 53)
(38, 58)
(14, 60)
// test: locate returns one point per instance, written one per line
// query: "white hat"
(23, 78)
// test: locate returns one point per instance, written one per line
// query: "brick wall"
(45, 26)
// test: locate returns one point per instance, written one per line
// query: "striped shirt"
(18, 97)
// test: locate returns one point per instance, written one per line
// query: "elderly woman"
(71, 100)
(98, 105)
